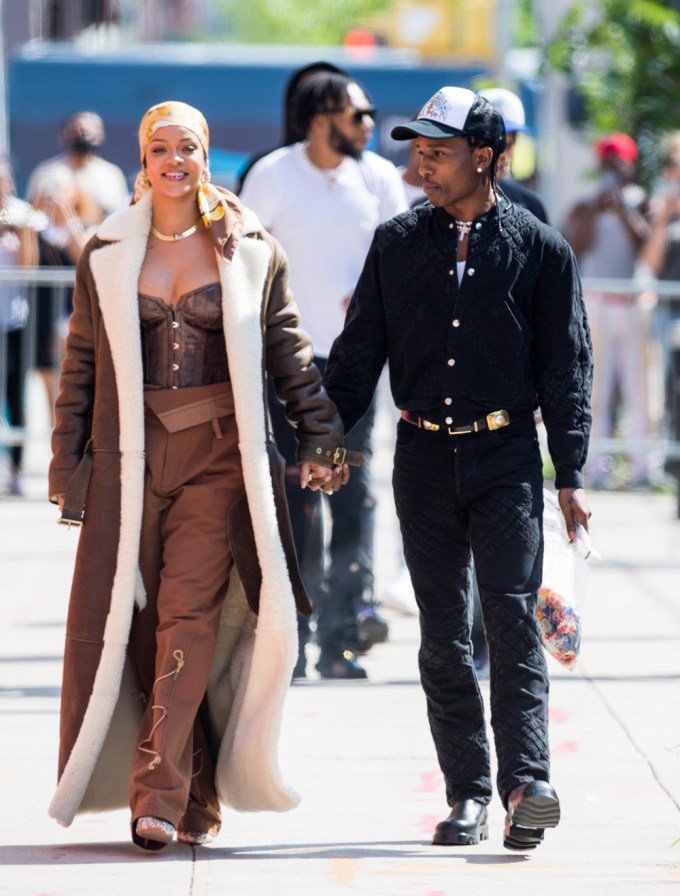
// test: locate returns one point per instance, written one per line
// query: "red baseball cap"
(620, 145)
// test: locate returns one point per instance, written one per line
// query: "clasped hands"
(327, 479)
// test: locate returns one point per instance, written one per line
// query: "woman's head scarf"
(213, 203)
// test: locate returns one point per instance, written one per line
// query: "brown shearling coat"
(101, 399)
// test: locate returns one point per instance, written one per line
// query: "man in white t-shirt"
(322, 199)
(76, 190)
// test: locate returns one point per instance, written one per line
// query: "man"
(322, 199)
(477, 307)
(291, 132)
(76, 190)
(514, 118)
(607, 231)
(95, 187)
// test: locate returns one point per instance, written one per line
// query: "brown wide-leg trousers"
(192, 478)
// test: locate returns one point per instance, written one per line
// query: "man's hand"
(328, 479)
(574, 508)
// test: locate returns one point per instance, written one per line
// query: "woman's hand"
(328, 479)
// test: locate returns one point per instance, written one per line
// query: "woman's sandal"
(195, 838)
(152, 833)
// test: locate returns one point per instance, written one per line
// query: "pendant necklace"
(463, 228)
(174, 237)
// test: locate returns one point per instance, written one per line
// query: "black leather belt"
(494, 420)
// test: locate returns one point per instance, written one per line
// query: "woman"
(170, 431)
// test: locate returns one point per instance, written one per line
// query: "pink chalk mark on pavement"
(431, 781)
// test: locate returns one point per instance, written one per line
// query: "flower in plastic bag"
(560, 626)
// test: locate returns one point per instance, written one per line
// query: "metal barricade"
(662, 298)
(664, 442)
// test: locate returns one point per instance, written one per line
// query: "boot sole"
(531, 817)
(460, 838)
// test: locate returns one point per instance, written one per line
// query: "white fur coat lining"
(248, 777)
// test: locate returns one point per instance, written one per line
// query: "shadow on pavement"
(107, 853)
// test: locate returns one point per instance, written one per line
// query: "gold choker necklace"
(173, 237)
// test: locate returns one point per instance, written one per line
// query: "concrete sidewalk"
(361, 753)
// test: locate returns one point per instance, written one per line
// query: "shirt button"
(450, 226)
(175, 387)
(175, 324)
(448, 401)
(478, 225)
(449, 421)
(451, 362)
(175, 366)
(175, 345)
(471, 272)
(456, 323)
(451, 273)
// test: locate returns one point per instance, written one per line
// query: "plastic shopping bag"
(564, 583)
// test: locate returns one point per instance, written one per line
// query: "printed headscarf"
(213, 203)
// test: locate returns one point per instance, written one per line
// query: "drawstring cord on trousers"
(156, 761)
(199, 753)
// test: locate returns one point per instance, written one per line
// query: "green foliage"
(624, 58)
(321, 22)
(524, 25)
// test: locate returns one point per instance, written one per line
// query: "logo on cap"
(438, 108)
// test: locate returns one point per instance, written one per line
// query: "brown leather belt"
(494, 420)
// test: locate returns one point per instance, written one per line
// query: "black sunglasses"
(357, 115)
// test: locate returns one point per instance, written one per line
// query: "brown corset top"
(184, 345)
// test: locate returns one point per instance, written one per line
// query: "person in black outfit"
(477, 307)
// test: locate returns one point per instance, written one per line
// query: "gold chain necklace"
(330, 175)
(173, 237)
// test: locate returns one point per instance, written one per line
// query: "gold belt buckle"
(339, 456)
(497, 419)
(432, 427)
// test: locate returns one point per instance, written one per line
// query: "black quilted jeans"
(483, 492)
